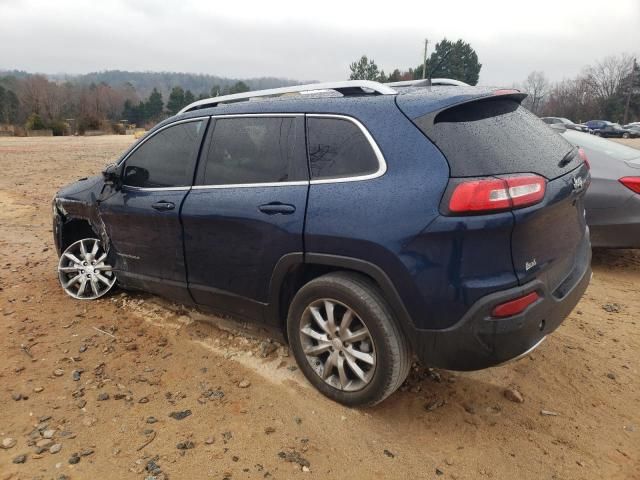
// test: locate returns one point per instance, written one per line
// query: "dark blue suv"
(369, 222)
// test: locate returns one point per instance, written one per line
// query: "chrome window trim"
(155, 189)
(382, 164)
(253, 185)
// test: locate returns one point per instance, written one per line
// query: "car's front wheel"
(84, 271)
(346, 341)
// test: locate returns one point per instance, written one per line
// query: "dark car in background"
(580, 127)
(613, 199)
(368, 222)
(604, 128)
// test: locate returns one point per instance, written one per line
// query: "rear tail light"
(632, 183)
(515, 306)
(584, 158)
(492, 194)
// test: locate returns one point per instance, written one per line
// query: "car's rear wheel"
(83, 270)
(597, 133)
(625, 135)
(345, 340)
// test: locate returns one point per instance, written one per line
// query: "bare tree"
(536, 86)
(605, 77)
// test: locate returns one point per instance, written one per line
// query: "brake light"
(632, 183)
(491, 194)
(506, 91)
(584, 158)
(516, 306)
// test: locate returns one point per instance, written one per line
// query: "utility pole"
(424, 61)
(632, 83)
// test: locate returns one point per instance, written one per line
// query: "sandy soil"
(580, 418)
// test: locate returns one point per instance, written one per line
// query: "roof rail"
(425, 82)
(349, 87)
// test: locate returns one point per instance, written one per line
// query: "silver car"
(613, 199)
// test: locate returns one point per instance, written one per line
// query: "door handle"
(274, 208)
(163, 206)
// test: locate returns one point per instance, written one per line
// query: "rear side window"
(250, 150)
(338, 149)
(166, 159)
(497, 136)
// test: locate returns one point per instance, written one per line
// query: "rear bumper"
(479, 341)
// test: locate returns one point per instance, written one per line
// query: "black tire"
(625, 135)
(597, 133)
(392, 350)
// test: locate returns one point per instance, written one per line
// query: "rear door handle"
(274, 208)
(163, 206)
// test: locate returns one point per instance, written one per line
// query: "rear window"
(338, 149)
(497, 136)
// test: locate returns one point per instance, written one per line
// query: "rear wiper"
(566, 160)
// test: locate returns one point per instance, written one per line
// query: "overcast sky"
(294, 40)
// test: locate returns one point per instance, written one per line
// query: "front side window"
(167, 159)
(339, 149)
(253, 150)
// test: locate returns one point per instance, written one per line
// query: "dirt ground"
(580, 418)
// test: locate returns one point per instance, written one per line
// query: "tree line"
(607, 90)
(457, 60)
(34, 101)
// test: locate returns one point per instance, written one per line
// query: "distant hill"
(145, 82)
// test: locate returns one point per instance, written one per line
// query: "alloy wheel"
(83, 271)
(338, 345)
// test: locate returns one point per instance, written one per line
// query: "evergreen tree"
(456, 60)
(239, 87)
(188, 98)
(176, 100)
(364, 69)
(154, 106)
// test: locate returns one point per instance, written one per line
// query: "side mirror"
(111, 175)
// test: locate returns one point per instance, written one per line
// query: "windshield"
(601, 145)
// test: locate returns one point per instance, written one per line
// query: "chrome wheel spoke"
(358, 336)
(73, 258)
(75, 268)
(331, 321)
(342, 374)
(94, 250)
(72, 281)
(345, 322)
(317, 316)
(308, 331)
(103, 279)
(318, 349)
(355, 368)
(83, 285)
(83, 250)
(329, 363)
(363, 357)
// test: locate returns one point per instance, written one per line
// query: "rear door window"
(497, 136)
(167, 159)
(254, 150)
(338, 148)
